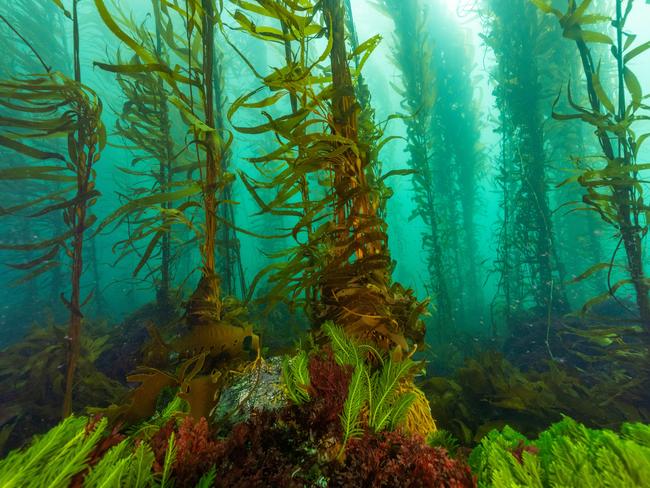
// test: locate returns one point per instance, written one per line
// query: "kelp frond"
(339, 268)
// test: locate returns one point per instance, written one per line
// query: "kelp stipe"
(345, 256)
(413, 55)
(194, 97)
(81, 127)
(615, 191)
(530, 276)
(442, 141)
(215, 339)
(144, 122)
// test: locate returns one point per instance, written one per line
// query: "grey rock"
(261, 389)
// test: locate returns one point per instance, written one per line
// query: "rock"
(260, 389)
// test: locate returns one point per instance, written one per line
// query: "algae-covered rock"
(260, 389)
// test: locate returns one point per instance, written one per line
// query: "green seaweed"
(53, 459)
(296, 377)
(566, 454)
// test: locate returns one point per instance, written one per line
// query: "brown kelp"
(230, 265)
(216, 337)
(19, 58)
(458, 158)
(192, 93)
(145, 123)
(414, 56)
(54, 105)
(372, 134)
(615, 190)
(283, 106)
(564, 140)
(529, 272)
(489, 392)
(341, 259)
(445, 154)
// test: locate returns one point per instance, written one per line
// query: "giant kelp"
(413, 54)
(460, 154)
(215, 335)
(526, 258)
(308, 153)
(192, 93)
(563, 141)
(146, 125)
(20, 59)
(343, 264)
(614, 191)
(442, 141)
(62, 107)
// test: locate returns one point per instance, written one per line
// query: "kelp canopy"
(308, 235)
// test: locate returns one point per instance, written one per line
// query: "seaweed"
(377, 398)
(413, 54)
(216, 335)
(55, 458)
(341, 259)
(67, 109)
(489, 392)
(442, 142)
(530, 274)
(193, 95)
(614, 191)
(295, 374)
(566, 454)
(304, 140)
(32, 378)
(145, 123)
(393, 459)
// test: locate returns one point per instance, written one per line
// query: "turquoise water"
(513, 161)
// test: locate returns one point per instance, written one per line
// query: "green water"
(471, 196)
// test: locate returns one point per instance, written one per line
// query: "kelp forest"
(324, 243)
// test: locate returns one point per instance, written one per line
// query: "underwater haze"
(324, 243)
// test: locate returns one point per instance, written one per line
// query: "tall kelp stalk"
(341, 252)
(413, 53)
(443, 139)
(215, 340)
(228, 246)
(371, 133)
(192, 92)
(19, 58)
(457, 119)
(456, 161)
(527, 263)
(145, 123)
(614, 190)
(53, 105)
(577, 233)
